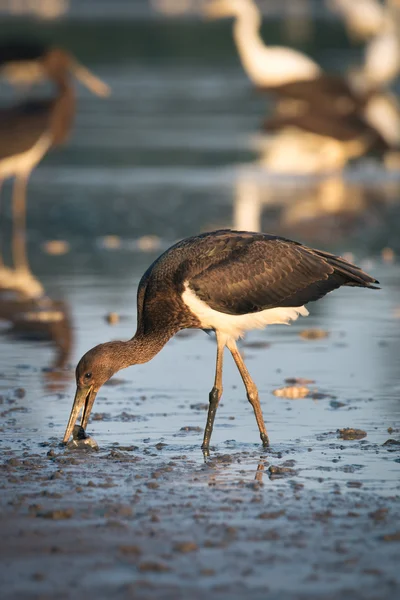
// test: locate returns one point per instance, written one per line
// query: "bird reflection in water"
(41, 321)
(32, 315)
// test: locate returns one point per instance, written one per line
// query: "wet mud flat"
(154, 521)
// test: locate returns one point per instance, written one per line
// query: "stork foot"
(264, 439)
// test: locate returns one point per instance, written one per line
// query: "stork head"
(57, 63)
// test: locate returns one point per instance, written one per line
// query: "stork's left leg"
(216, 392)
(251, 389)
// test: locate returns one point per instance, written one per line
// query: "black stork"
(226, 281)
(27, 132)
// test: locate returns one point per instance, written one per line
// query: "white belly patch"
(235, 326)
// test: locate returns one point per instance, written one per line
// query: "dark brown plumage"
(327, 106)
(216, 280)
(327, 94)
(21, 50)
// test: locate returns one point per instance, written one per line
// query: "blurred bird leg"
(21, 279)
(4, 271)
(93, 83)
(19, 222)
(330, 197)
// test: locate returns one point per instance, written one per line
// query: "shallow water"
(356, 366)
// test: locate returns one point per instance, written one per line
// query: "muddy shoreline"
(146, 522)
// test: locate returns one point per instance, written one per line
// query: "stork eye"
(88, 375)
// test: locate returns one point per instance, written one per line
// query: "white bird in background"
(375, 23)
(363, 18)
(265, 65)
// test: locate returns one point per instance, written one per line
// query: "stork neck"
(143, 347)
(246, 33)
(64, 110)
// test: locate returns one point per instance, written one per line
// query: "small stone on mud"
(185, 547)
(379, 515)
(81, 440)
(354, 484)
(298, 381)
(160, 445)
(391, 442)
(271, 515)
(207, 572)
(130, 550)
(292, 392)
(115, 381)
(154, 566)
(191, 428)
(112, 318)
(336, 404)
(348, 433)
(277, 471)
(100, 416)
(56, 515)
(392, 537)
(56, 247)
(152, 485)
(256, 345)
(313, 334)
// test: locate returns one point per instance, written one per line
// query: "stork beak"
(93, 83)
(84, 398)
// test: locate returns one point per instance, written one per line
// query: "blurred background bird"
(28, 130)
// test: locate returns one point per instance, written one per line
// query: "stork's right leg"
(251, 389)
(215, 394)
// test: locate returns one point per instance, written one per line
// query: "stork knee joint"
(215, 395)
(252, 397)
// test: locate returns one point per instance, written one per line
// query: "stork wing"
(342, 128)
(328, 94)
(271, 272)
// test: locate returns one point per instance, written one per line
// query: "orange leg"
(251, 389)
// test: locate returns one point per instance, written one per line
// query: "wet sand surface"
(314, 516)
